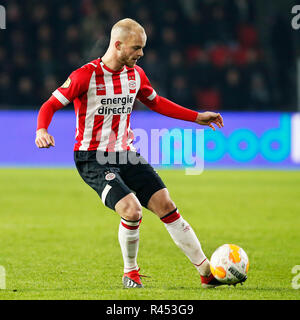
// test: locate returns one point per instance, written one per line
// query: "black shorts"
(113, 181)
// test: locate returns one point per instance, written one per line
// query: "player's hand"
(208, 118)
(44, 139)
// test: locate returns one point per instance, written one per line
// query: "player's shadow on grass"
(225, 287)
(24, 290)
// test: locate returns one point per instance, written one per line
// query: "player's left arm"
(170, 109)
(152, 100)
(207, 118)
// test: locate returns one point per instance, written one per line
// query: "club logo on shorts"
(110, 176)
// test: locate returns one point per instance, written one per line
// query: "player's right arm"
(43, 138)
(74, 86)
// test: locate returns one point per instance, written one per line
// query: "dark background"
(212, 54)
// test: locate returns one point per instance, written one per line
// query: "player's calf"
(186, 239)
(160, 203)
(130, 211)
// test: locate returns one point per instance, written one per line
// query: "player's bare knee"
(132, 212)
(129, 209)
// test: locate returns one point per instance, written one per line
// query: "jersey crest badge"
(132, 84)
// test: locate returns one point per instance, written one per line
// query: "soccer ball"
(229, 264)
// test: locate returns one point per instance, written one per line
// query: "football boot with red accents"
(210, 282)
(132, 279)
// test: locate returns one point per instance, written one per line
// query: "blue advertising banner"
(248, 140)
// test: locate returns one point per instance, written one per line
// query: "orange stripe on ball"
(218, 272)
(234, 254)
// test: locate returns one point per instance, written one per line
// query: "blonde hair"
(123, 28)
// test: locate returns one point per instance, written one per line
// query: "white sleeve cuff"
(152, 95)
(60, 97)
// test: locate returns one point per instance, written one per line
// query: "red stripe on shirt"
(97, 130)
(131, 80)
(114, 133)
(117, 83)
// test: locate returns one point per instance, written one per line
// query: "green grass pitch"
(58, 241)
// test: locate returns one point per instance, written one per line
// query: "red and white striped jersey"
(103, 101)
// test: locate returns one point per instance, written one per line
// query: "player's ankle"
(203, 268)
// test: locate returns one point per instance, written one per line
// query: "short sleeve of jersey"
(146, 93)
(76, 85)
